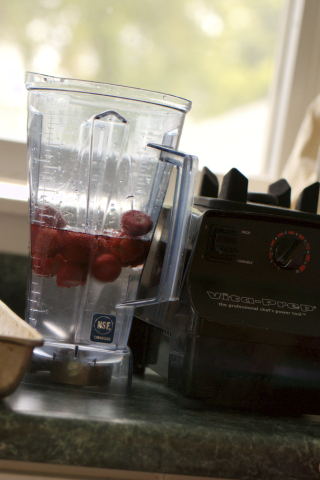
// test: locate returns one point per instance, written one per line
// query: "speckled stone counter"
(152, 430)
(155, 430)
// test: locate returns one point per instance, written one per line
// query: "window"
(250, 69)
(219, 55)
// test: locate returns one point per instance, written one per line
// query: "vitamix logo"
(263, 304)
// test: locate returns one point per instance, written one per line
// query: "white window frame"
(297, 80)
(296, 84)
(14, 231)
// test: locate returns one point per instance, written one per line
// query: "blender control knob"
(234, 187)
(289, 252)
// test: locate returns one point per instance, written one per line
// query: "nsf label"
(102, 329)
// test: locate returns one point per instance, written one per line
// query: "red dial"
(290, 250)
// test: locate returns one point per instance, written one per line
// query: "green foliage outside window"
(217, 53)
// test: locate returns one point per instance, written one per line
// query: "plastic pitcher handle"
(173, 264)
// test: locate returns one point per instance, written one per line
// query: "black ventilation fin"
(282, 190)
(209, 186)
(234, 186)
(308, 199)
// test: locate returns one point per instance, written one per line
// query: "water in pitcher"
(100, 159)
(79, 277)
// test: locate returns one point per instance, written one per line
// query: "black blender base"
(222, 370)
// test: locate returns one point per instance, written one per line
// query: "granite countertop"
(155, 430)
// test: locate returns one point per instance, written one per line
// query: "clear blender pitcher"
(100, 158)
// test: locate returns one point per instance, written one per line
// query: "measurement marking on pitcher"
(52, 114)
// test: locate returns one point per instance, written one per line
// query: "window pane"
(220, 55)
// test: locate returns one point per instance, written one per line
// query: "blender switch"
(224, 242)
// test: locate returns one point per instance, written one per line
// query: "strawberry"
(106, 268)
(47, 243)
(35, 229)
(47, 267)
(142, 257)
(125, 249)
(136, 223)
(71, 275)
(50, 217)
(101, 245)
(77, 246)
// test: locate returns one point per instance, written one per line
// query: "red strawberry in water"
(142, 257)
(71, 275)
(46, 267)
(125, 249)
(77, 247)
(106, 268)
(47, 243)
(34, 233)
(50, 217)
(101, 245)
(136, 223)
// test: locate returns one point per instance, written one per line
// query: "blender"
(100, 159)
